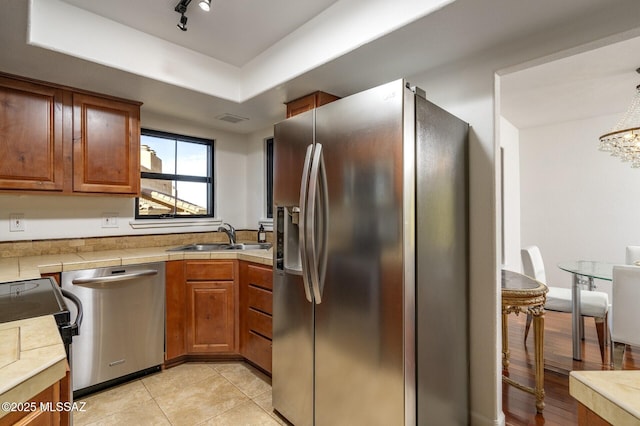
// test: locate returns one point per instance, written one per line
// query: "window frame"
(181, 177)
(268, 147)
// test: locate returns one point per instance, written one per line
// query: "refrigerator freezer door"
(292, 370)
(359, 324)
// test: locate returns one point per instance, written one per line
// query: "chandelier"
(624, 140)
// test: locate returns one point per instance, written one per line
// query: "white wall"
(48, 216)
(510, 164)
(577, 202)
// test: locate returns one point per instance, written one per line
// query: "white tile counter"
(613, 395)
(32, 358)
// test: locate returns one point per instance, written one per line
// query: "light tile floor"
(229, 393)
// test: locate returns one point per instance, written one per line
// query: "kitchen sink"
(252, 246)
(222, 247)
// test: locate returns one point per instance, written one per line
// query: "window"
(176, 176)
(269, 179)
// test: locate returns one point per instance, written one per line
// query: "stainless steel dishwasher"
(123, 329)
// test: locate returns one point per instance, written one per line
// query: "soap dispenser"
(262, 236)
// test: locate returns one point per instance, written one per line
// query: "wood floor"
(560, 408)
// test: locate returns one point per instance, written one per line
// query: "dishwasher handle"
(113, 278)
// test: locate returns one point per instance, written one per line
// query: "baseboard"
(480, 420)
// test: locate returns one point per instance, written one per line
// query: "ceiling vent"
(230, 118)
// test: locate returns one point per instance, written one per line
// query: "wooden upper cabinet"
(308, 102)
(31, 144)
(106, 145)
(64, 140)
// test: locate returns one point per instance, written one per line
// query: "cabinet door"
(311, 101)
(211, 316)
(48, 399)
(106, 145)
(31, 156)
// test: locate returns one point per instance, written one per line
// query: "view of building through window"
(176, 176)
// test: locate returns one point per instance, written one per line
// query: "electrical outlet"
(110, 220)
(16, 222)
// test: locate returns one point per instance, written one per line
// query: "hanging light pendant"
(624, 140)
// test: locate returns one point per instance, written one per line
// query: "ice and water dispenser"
(288, 240)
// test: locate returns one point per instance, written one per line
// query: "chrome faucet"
(231, 232)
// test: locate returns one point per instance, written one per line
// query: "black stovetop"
(32, 298)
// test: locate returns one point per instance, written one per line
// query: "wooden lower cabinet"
(586, 417)
(256, 309)
(211, 316)
(175, 311)
(218, 308)
(46, 411)
(211, 293)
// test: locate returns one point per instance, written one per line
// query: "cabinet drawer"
(259, 322)
(259, 350)
(260, 276)
(210, 270)
(260, 299)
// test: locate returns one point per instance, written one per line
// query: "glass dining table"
(584, 272)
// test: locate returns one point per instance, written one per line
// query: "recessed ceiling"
(233, 31)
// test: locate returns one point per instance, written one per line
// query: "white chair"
(632, 255)
(592, 303)
(625, 324)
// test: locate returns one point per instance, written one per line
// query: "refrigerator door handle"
(324, 248)
(317, 255)
(302, 222)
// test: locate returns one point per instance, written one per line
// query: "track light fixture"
(183, 23)
(181, 8)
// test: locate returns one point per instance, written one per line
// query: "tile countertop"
(32, 358)
(20, 268)
(613, 395)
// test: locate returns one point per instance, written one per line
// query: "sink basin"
(202, 247)
(221, 247)
(254, 246)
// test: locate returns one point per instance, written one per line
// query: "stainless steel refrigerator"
(370, 315)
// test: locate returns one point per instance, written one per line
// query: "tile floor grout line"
(207, 419)
(249, 400)
(271, 414)
(153, 398)
(177, 366)
(244, 393)
(225, 411)
(123, 409)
